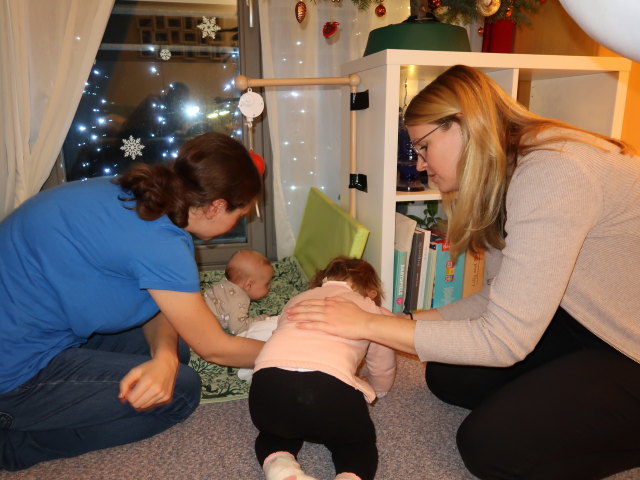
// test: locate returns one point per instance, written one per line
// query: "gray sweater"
(573, 239)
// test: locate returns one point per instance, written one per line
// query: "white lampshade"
(612, 23)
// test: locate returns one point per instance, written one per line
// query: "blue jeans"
(71, 406)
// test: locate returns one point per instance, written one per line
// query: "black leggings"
(570, 410)
(291, 407)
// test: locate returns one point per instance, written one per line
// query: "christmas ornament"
(508, 12)
(301, 11)
(488, 7)
(165, 54)
(132, 147)
(330, 29)
(433, 4)
(380, 10)
(209, 27)
(480, 31)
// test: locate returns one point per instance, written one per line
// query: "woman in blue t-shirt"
(98, 282)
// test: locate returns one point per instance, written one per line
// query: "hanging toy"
(251, 105)
(380, 10)
(330, 29)
(258, 161)
(301, 11)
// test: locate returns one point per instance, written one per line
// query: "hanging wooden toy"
(251, 105)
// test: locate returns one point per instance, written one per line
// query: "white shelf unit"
(589, 92)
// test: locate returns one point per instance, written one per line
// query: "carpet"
(220, 383)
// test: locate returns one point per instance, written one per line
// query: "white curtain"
(305, 122)
(47, 50)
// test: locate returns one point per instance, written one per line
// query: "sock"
(347, 476)
(283, 466)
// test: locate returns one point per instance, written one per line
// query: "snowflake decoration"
(209, 27)
(165, 54)
(132, 147)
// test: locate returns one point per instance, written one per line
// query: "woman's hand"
(335, 315)
(150, 384)
(344, 318)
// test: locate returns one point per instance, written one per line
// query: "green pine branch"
(464, 12)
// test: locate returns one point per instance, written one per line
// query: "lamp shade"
(614, 23)
(418, 36)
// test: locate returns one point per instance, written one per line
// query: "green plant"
(431, 220)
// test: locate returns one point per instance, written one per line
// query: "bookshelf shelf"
(589, 92)
(417, 196)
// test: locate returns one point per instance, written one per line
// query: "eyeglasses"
(421, 150)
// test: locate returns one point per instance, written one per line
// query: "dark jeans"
(570, 410)
(291, 407)
(71, 406)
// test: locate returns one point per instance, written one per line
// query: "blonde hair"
(496, 131)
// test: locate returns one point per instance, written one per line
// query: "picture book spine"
(447, 285)
(399, 270)
(426, 240)
(430, 276)
(413, 271)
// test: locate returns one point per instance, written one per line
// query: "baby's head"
(358, 273)
(251, 271)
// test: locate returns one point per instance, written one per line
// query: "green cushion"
(327, 231)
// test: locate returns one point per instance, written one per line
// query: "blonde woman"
(546, 356)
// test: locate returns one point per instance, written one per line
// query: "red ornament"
(480, 31)
(380, 10)
(301, 11)
(433, 4)
(330, 29)
(258, 161)
(508, 12)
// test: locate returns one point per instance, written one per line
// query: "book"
(447, 284)
(423, 267)
(430, 275)
(404, 228)
(399, 269)
(473, 272)
(414, 269)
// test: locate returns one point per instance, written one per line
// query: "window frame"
(260, 230)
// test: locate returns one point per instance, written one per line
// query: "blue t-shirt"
(74, 261)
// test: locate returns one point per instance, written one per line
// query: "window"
(163, 74)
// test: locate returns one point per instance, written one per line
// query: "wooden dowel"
(243, 82)
(352, 156)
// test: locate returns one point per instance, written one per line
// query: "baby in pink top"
(305, 384)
